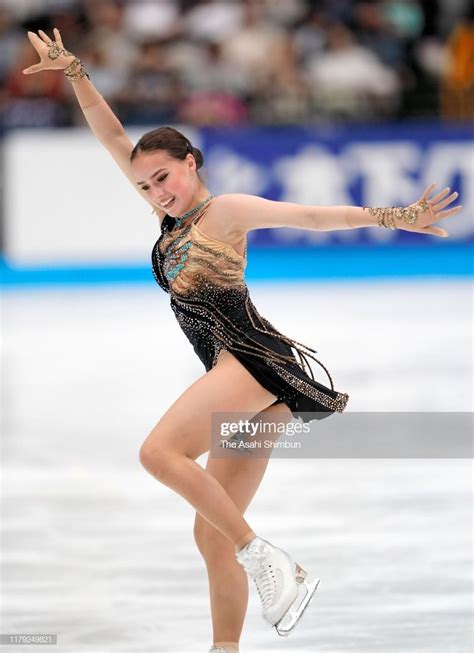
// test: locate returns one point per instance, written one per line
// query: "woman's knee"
(157, 458)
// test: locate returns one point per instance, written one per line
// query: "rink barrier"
(275, 264)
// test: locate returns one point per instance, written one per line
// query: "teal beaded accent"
(179, 255)
(175, 260)
(179, 221)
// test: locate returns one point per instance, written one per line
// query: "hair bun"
(197, 154)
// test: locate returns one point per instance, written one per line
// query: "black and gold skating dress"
(210, 299)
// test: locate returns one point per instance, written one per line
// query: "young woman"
(200, 260)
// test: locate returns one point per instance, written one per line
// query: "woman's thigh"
(185, 428)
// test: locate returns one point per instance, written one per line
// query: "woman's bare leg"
(240, 476)
(184, 433)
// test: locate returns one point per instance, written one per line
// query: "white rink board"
(68, 202)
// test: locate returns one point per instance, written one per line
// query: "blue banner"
(386, 165)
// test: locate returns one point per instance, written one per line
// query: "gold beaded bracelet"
(386, 216)
(75, 70)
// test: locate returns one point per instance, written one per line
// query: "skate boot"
(277, 578)
(220, 649)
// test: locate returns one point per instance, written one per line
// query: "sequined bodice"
(205, 280)
(189, 262)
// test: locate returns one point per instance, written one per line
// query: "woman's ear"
(191, 161)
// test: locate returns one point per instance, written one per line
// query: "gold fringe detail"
(237, 343)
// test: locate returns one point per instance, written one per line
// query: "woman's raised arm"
(101, 119)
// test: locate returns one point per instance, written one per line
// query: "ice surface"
(97, 551)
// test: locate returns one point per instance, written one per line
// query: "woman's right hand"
(42, 46)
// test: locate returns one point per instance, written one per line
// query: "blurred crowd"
(229, 62)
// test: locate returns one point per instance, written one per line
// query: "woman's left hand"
(433, 212)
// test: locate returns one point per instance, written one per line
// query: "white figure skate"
(277, 578)
(220, 649)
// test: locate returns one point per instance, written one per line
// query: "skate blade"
(295, 615)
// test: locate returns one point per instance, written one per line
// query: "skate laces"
(265, 583)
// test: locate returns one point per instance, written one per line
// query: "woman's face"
(163, 178)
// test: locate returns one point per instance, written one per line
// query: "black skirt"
(264, 351)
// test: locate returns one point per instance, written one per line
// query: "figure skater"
(200, 259)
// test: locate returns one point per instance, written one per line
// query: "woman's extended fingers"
(36, 42)
(445, 214)
(58, 38)
(45, 37)
(39, 46)
(440, 195)
(445, 202)
(432, 231)
(428, 190)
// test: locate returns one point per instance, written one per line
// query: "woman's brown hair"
(171, 140)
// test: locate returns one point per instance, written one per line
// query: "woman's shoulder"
(235, 202)
(246, 212)
(233, 205)
(232, 199)
(221, 219)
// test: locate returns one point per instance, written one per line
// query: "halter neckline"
(180, 220)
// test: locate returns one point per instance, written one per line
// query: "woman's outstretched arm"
(247, 212)
(102, 121)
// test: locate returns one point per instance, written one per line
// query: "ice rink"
(99, 553)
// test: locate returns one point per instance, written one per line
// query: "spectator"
(213, 20)
(271, 61)
(29, 9)
(216, 89)
(349, 80)
(285, 13)
(33, 100)
(284, 96)
(257, 48)
(146, 19)
(406, 18)
(378, 33)
(212, 72)
(457, 89)
(11, 42)
(152, 90)
(310, 36)
(109, 80)
(107, 34)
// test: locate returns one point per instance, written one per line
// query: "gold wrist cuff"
(75, 70)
